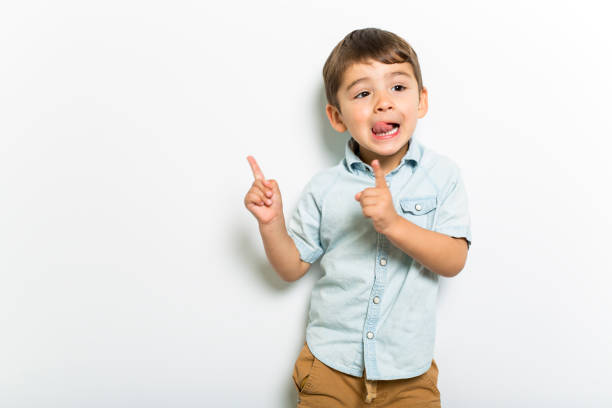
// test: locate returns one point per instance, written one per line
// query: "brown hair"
(361, 45)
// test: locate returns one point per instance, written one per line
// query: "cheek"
(360, 115)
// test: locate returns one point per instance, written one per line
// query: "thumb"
(271, 183)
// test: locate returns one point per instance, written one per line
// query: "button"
(376, 300)
(370, 335)
(418, 207)
(383, 262)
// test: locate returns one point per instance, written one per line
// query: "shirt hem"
(306, 254)
(359, 373)
(457, 232)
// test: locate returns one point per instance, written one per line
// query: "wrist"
(392, 226)
(273, 224)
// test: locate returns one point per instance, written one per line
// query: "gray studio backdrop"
(131, 275)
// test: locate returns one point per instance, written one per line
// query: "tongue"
(382, 127)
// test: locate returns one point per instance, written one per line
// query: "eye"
(362, 94)
(398, 87)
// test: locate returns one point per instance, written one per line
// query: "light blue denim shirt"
(374, 306)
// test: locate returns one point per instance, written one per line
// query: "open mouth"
(385, 130)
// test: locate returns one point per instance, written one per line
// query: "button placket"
(374, 304)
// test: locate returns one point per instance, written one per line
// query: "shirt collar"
(353, 162)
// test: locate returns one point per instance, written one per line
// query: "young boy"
(386, 222)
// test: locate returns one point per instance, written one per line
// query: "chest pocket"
(420, 211)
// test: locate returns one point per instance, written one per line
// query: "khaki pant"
(320, 386)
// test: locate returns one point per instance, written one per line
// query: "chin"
(393, 146)
(387, 152)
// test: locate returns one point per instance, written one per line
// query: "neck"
(387, 163)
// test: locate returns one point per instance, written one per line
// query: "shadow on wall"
(271, 281)
(333, 144)
(256, 262)
(333, 141)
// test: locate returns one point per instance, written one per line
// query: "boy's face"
(379, 106)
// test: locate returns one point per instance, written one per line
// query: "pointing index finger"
(379, 175)
(257, 173)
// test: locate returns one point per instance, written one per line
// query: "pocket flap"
(418, 206)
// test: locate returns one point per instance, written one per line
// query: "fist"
(377, 203)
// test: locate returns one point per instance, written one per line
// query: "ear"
(423, 103)
(335, 118)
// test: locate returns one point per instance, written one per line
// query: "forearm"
(281, 251)
(439, 253)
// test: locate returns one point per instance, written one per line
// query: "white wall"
(131, 275)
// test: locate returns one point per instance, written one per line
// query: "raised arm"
(440, 253)
(264, 201)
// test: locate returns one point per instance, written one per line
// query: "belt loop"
(370, 386)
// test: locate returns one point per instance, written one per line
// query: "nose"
(384, 103)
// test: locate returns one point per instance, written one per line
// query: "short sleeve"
(304, 226)
(453, 217)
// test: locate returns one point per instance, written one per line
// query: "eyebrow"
(392, 74)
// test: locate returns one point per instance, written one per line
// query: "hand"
(263, 200)
(376, 202)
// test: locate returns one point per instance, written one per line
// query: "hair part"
(361, 45)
